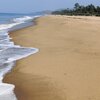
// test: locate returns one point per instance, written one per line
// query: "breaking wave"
(9, 53)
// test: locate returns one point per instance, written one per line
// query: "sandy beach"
(67, 66)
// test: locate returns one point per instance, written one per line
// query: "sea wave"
(17, 21)
(24, 19)
(9, 53)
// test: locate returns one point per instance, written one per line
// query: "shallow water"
(9, 53)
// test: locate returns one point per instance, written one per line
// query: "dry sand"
(67, 67)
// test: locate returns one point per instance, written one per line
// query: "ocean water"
(9, 52)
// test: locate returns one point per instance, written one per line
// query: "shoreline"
(11, 53)
(67, 66)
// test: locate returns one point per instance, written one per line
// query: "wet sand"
(67, 66)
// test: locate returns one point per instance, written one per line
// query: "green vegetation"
(89, 10)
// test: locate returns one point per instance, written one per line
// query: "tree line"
(89, 10)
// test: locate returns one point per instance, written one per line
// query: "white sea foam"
(8, 26)
(15, 53)
(23, 19)
(16, 21)
(8, 94)
(9, 53)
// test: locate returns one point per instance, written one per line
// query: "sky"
(28, 6)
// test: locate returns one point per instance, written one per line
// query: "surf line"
(9, 54)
